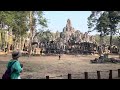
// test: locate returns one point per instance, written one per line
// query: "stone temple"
(69, 32)
(69, 41)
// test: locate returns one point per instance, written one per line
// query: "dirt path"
(41, 66)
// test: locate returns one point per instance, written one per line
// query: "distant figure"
(119, 53)
(35, 51)
(6, 50)
(59, 57)
(41, 52)
(14, 67)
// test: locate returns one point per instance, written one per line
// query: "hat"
(16, 54)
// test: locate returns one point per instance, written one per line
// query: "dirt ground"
(38, 67)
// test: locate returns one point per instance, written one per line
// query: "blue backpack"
(7, 74)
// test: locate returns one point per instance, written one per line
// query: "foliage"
(18, 21)
(105, 22)
(45, 36)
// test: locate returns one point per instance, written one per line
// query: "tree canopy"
(105, 22)
(19, 22)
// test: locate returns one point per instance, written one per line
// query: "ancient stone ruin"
(72, 41)
(69, 32)
(69, 41)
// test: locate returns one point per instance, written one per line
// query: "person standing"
(6, 50)
(17, 67)
(59, 56)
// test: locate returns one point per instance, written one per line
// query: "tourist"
(59, 57)
(40, 52)
(16, 68)
(6, 50)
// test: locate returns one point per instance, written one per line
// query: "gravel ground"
(38, 67)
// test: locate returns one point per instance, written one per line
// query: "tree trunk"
(110, 41)
(22, 45)
(31, 34)
(101, 42)
(1, 40)
(15, 43)
(119, 53)
(9, 38)
(8, 47)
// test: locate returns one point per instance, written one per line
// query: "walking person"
(14, 66)
(6, 50)
(59, 57)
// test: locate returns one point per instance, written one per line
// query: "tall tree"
(45, 36)
(36, 18)
(114, 19)
(15, 21)
(6, 20)
(105, 22)
(20, 27)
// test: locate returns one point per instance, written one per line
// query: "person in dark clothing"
(5, 50)
(41, 52)
(59, 57)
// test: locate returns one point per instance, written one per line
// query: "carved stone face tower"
(68, 25)
(69, 22)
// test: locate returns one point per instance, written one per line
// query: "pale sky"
(57, 20)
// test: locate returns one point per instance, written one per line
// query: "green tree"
(45, 36)
(35, 18)
(19, 22)
(6, 20)
(15, 21)
(20, 27)
(114, 18)
(104, 22)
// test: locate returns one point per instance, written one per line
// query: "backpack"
(7, 74)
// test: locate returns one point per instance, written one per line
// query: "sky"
(57, 20)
